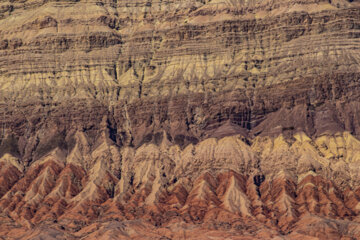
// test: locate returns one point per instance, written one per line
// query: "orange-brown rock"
(184, 119)
(164, 190)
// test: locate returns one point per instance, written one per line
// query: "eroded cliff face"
(174, 119)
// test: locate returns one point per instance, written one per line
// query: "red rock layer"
(179, 119)
(67, 199)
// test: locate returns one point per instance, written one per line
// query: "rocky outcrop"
(184, 67)
(174, 119)
(218, 186)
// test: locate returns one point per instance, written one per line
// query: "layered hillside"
(180, 119)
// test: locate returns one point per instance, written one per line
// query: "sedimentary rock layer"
(186, 67)
(173, 118)
(224, 187)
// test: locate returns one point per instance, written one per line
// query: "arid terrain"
(180, 119)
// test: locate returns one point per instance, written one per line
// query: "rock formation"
(183, 119)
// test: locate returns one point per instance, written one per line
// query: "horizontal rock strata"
(179, 119)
